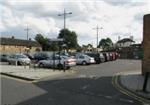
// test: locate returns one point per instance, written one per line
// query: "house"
(89, 49)
(12, 45)
(126, 42)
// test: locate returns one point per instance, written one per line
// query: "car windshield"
(21, 56)
(65, 57)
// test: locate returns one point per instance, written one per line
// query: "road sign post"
(59, 40)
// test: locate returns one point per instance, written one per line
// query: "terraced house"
(12, 45)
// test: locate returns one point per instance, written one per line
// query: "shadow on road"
(80, 91)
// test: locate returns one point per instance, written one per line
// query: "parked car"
(30, 56)
(20, 59)
(4, 58)
(40, 56)
(110, 56)
(114, 54)
(98, 57)
(57, 62)
(106, 56)
(84, 59)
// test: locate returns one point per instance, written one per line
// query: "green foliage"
(46, 45)
(70, 38)
(106, 44)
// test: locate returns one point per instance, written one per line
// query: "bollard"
(145, 81)
(24, 65)
(64, 66)
(30, 65)
(16, 63)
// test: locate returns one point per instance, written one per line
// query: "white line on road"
(85, 86)
(126, 100)
(109, 97)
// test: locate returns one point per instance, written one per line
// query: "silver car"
(19, 59)
(84, 59)
(57, 62)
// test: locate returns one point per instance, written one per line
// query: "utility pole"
(64, 14)
(27, 29)
(97, 29)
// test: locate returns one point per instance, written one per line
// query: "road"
(91, 85)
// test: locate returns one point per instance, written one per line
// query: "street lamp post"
(97, 29)
(64, 14)
(27, 29)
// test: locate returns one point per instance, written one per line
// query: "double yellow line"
(127, 92)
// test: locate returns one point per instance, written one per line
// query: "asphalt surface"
(91, 85)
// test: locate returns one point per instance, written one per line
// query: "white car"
(58, 62)
(84, 59)
(19, 59)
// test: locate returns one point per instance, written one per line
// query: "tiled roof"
(18, 42)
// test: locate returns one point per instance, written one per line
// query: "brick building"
(146, 44)
(12, 45)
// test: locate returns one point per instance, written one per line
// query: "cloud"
(117, 17)
(126, 2)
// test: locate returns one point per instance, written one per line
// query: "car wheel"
(9, 63)
(18, 63)
(41, 65)
(84, 63)
(60, 66)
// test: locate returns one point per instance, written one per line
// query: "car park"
(84, 59)
(19, 59)
(57, 61)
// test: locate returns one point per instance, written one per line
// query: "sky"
(116, 18)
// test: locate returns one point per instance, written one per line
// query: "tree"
(41, 40)
(70, 38)
(105, 43)
(46, 45)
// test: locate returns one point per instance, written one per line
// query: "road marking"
(126, 100)
(85, 87)
(126, 92)
(109, 97)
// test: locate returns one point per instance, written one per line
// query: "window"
(81, 57)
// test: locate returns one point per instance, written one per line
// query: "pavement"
(133, 82)
(32, 74)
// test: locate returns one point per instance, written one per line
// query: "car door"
(12, 59)
(77, 60)
(81, 59)
(53, 61)
(47, 62)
